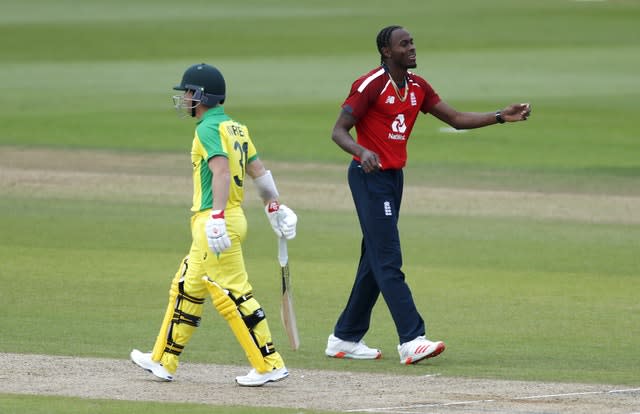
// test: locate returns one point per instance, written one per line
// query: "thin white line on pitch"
(532, 397)
(412, 407)
(572, 394)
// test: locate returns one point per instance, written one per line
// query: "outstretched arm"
(470, 120)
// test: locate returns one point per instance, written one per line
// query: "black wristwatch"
(499, 118)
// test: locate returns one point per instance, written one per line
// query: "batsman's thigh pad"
(181, 318)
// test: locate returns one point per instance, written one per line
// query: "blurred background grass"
(519, 298)
(100, 75)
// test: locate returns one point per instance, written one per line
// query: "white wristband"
(266, 187)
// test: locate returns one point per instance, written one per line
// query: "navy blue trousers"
(377, 197)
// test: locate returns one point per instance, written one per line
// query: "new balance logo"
(390, 100)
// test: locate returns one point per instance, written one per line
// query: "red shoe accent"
(438, 351)
(339, 355)
(421, 349)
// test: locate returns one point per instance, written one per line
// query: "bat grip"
(283, 254)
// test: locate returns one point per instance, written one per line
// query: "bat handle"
(283, 254)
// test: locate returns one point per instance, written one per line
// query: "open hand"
(516, 112)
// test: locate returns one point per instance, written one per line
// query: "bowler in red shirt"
(383, 106)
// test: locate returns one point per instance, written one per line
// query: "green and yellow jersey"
(218, 134)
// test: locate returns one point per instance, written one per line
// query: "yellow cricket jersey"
(218, 134)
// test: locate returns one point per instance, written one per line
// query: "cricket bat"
(287, 313)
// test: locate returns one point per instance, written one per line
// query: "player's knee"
(193, 287)
(251, 311)
(188, 306)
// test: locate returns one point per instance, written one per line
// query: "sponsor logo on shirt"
(414, 101)
(399, 128)
(398, 124)
(390, 100)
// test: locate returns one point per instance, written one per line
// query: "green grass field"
(514, 296)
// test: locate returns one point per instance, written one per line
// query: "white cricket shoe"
(144, 361)
(255, 379)
(419, 349)
(337, 348)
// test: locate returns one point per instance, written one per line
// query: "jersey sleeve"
(211, 141)
(431, 98)
(252, 153)
(361, 98)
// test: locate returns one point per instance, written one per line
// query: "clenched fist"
(216, 230)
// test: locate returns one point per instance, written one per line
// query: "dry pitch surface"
(308, 389)
(165, 178)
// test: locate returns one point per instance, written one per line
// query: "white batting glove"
(216, 230)
(283, 220)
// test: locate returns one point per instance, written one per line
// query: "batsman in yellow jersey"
(222, 155)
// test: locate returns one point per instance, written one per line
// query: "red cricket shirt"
(383, 120)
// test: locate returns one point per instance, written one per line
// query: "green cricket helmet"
(206, 82)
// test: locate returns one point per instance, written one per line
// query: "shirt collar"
(404, 81)
(211, 112)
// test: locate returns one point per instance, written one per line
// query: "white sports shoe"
(337, 348)
(419, 349)
(255, 379)
(143, 360)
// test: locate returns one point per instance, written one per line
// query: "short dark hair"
(382, 40)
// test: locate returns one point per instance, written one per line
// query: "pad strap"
(254, 318)
(192, 299)
(183, 294)
(241, 299)
(267, 349)
(173, 348)
(179, 316)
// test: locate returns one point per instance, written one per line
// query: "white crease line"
(532, 397)
(572, 394)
